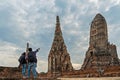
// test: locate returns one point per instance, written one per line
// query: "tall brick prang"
(59, 58)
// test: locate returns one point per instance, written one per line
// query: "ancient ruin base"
(112, 71)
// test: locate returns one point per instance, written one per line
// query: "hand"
(19, 66)
(38, 49)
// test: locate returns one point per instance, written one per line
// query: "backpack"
(31, 57)
(22, 59)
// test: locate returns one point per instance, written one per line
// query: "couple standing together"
(29, 63)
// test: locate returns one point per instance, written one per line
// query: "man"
(23, 63)
(32, 62)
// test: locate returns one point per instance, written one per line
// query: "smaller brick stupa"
(100, 53)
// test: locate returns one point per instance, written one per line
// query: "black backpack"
(32, 57)
(22, 59)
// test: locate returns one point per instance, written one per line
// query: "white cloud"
(42, 66)
(27, 15)
(8, 53)
(76, 66)
(102, 5)
(9, 60)
(7, 47)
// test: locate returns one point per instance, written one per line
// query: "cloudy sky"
(33, 21)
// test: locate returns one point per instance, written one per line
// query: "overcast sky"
(33, 21)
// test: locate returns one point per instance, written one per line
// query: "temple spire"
(59, 58)
(58, 29)
(57, 19)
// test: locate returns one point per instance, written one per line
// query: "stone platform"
(102, 78)
(4, 78)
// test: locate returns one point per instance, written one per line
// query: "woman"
(23, 63)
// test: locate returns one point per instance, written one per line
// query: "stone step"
(4, 78)
(102, 78)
